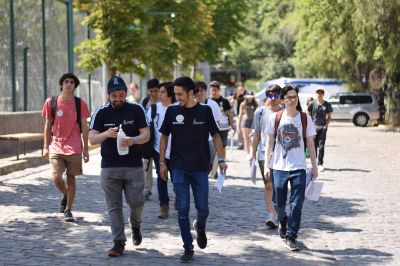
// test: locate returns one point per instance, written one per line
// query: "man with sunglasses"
(320, 111)
(260, 121)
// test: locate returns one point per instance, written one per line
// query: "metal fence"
(38, 72)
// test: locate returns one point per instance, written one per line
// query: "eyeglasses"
(273, 96)
(287, 98)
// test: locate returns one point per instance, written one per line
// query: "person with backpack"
(156, 115)
(66, 139)
(289, 132)
(121, 174)
(152, 98)
(260, 121)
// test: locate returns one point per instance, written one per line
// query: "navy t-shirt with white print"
(189, 128)
(132, 118)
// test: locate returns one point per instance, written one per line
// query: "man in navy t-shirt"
(190, 124)
(121, 173)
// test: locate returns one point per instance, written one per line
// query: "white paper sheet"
(220, 181)
(313, 190)
(253, 171)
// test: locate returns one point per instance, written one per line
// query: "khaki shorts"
(60, 162)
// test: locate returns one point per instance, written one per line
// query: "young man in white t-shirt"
(288, 161)
(260, 121)
(167, 98)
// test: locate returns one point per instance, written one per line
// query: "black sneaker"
(282, 229)
(187, 256)
(291, 244)
(136, 236)
(201, 236)
(117, 249)
(63, 204)
(68, 216)
(147, 195)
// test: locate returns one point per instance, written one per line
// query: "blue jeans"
(182, 181)
(162, 185)
(297, 179)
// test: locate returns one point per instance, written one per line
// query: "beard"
(117, 104)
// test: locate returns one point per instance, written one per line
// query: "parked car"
(360, 107)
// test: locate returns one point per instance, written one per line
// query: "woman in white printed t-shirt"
(287, 159)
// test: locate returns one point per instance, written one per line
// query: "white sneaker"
(272, 221)
(248, 157)
(321, 168)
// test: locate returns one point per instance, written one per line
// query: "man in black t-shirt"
(320, 111)
(190, 124)
(121, 173)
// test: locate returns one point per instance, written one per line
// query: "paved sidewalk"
(355, 222)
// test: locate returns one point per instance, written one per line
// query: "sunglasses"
(290, 98)
(273, 96)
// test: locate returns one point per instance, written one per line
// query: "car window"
(333, 100)
(365, 99)
(348, 99)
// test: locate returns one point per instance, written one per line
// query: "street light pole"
(70, 27)
(12, 44)
(44, 51)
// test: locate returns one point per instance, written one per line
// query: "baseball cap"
(320, 89)
(115, 84)
(214, 83)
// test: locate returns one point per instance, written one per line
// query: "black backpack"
(147, 148)
(77, 106)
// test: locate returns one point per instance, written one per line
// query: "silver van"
(360, 107)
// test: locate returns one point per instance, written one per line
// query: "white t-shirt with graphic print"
(158, 120)
(289, 146)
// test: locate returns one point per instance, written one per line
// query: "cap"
(320, 89)
(115, 84)
(71, 76)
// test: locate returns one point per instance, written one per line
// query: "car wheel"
(361, 120)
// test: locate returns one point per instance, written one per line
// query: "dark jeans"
(162, 185)
(182, 181)
(319, 142)
(297, 179)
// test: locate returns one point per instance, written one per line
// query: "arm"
(240, 116)
(163, 148)
(95, 137)
(328, 120)
(143, 137)
(230, 118)
(256, 141)
(268, 152)
(311, 150)
(220, 151)
(47, 137)
(85, 137)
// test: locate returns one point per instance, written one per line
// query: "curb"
(24, 163)
(389, 128)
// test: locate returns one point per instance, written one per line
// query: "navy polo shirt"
(189, 129)
(132, 118)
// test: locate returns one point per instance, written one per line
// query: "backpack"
(147, 148)
(77, 107)
(145, 101)
(303, 125)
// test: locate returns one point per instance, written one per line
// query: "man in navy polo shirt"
(121, 173)
(190, 123)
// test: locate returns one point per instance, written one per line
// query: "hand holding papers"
(220, 181)
(313, 189)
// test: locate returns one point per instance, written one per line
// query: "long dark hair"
(285, 91)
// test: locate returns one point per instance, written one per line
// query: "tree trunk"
(392, 106)
(111, 72)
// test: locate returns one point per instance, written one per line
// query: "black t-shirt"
(132, 118)
(223, 104)
(189, 129)
(319, 112)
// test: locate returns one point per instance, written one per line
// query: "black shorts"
(224, 137)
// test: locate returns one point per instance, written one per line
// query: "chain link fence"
(28, 34)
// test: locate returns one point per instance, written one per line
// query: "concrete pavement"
(354, 222)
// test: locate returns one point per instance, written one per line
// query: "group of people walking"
(188, 133)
